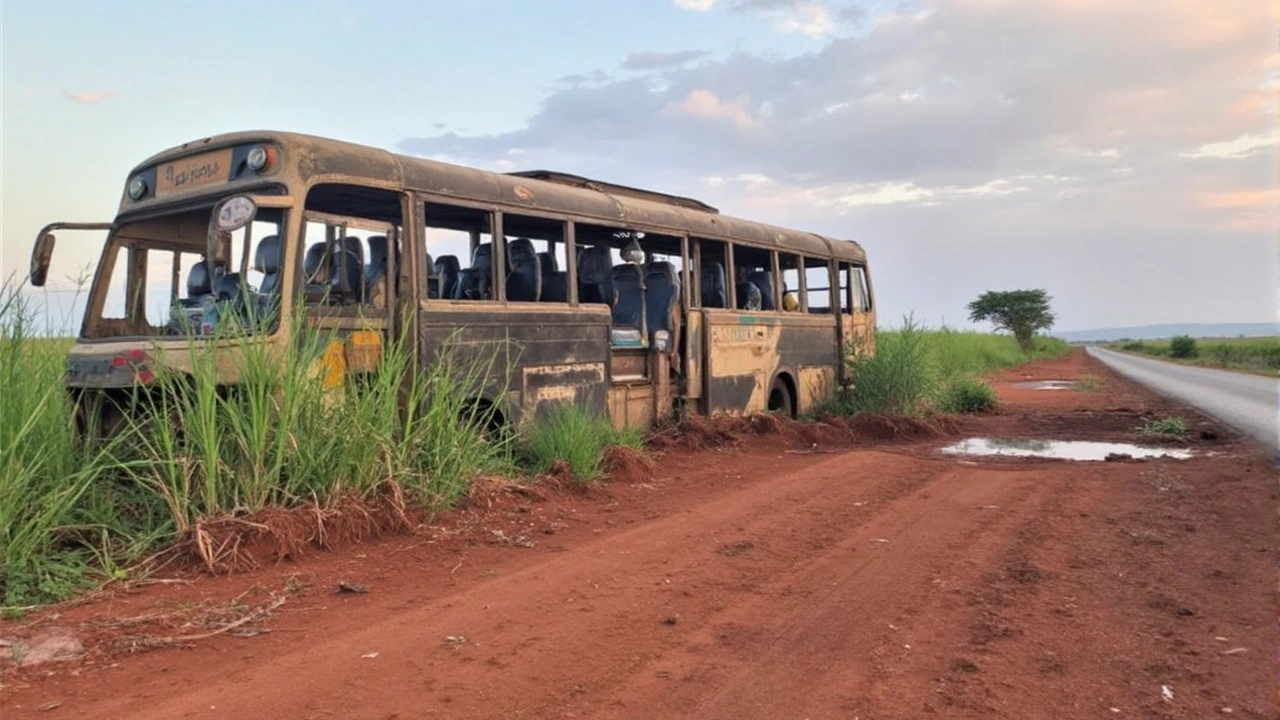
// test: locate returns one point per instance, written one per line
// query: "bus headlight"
(260, 158)
(137, 188)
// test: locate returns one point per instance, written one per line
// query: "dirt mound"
(695, 432)
(627, 465)
(873, 427)
(488, 491)
(230, 543)
(825, 430)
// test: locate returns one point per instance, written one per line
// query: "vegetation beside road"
(191, 460)
(1250, 354)
(916, 371)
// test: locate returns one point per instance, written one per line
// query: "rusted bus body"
(714, 351)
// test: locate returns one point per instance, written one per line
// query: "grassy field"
(1251, 354)
(191, 457)
(916, 370)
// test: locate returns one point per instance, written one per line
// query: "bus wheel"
(780, 398)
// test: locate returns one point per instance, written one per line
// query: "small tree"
(1021, 312)
(1183, 347)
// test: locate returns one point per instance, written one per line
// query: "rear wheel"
(780, 400)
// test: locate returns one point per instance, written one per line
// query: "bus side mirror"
(229, 215)
(41, 255)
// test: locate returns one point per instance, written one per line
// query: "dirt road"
(851, 578)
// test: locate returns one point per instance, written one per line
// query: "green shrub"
(967, 395)
(572, 435)
(898, 379)
(1183, 347)
(1173, 426)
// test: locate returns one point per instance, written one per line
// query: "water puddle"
(1046, 385)
(1060, 449)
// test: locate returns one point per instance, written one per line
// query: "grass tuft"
(572, 435)
(1173, 426)
(967, 395)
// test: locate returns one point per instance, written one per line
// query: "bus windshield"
(153, 280)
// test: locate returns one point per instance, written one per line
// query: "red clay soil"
(798, 572)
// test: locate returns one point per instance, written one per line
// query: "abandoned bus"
(629, 302)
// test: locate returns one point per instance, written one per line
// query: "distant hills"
(1157, 332)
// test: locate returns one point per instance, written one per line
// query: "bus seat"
(524, 271)
(229, 287)
(266, 260)
(377, 267)
(628, 283)
(555, 282)
(661, 296)
(476, 282)
(354, 251)
(595, 269)
(763, 279)
(447, 270)
(313, 269)
(713, 287)
(198, 286)
(748, 296)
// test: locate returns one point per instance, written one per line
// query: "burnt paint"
(543, 346)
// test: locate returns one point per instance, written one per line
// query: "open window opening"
(817, 279)
(638, 274)
(459, 252)
(351, 246)
(755, 281)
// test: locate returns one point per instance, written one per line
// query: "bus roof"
(537, 190)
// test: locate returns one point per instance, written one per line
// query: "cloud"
(704, 105)
(642, 60)
(696, 5)
(1240, 147)
(1057, 131)
(809, 19)
(88, 97)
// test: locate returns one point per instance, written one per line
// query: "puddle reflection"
(1046, 385)
(1060, 449)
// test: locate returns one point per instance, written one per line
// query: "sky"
(1120, 155)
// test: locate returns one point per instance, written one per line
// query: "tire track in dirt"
(523, 631)
(837, 623)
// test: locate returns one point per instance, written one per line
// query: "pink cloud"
(88, 97)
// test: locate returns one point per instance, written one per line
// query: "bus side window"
(844, 273)
(790, 290)
(460, 252)
(817, 280)
(861, 289)
(536, 267)
(713, 274)
(755, 282)
(347, 252)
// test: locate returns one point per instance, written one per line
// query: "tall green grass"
(191, 449)
(916, 370)
(44, 473)
(279, 437)
(574, 436)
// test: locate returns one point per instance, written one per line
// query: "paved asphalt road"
(1249, 403)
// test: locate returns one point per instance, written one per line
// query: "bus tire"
(780, 398)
